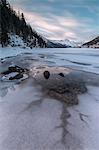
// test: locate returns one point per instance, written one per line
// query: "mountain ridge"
(93, 43)
(68, 43)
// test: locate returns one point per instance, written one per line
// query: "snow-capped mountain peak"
(68, 43)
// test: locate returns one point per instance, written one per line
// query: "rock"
(61, 74)
(6, 72)
(46, 74)
(14, 72)
(14, 69)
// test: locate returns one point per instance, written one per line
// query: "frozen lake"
(31, 121)
(78, 58)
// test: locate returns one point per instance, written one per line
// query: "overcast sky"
(61, 19)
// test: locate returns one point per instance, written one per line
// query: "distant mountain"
(14, 30)
(67, 43)
(93, 43)
(52, 44)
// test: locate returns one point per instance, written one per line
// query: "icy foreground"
(31, 121)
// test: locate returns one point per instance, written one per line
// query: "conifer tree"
(4, 28)
(14, 23)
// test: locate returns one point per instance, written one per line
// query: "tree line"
(11, 22)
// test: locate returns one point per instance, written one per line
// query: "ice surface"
(31, 121)
(86, 59)
(84, 119)
(27, 120)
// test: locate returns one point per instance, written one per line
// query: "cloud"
(51, 1)
(55, 19)
(54, 25)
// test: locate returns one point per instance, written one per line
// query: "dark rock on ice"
(46, 74)
(61, 74)
(14, 73)
(14, 69)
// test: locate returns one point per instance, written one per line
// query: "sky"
(76, 20)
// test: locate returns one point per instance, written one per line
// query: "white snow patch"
(68, 42)
(6, 77)
(17, 41)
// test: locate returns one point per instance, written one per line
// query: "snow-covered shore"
(31, 121)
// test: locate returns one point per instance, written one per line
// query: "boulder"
(14, 73)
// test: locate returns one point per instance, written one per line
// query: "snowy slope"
(93, 43)
(16, 41)
(68, 43)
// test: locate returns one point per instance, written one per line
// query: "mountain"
(93, 43)
(68, 43)
(53, 44)
(14, 31)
